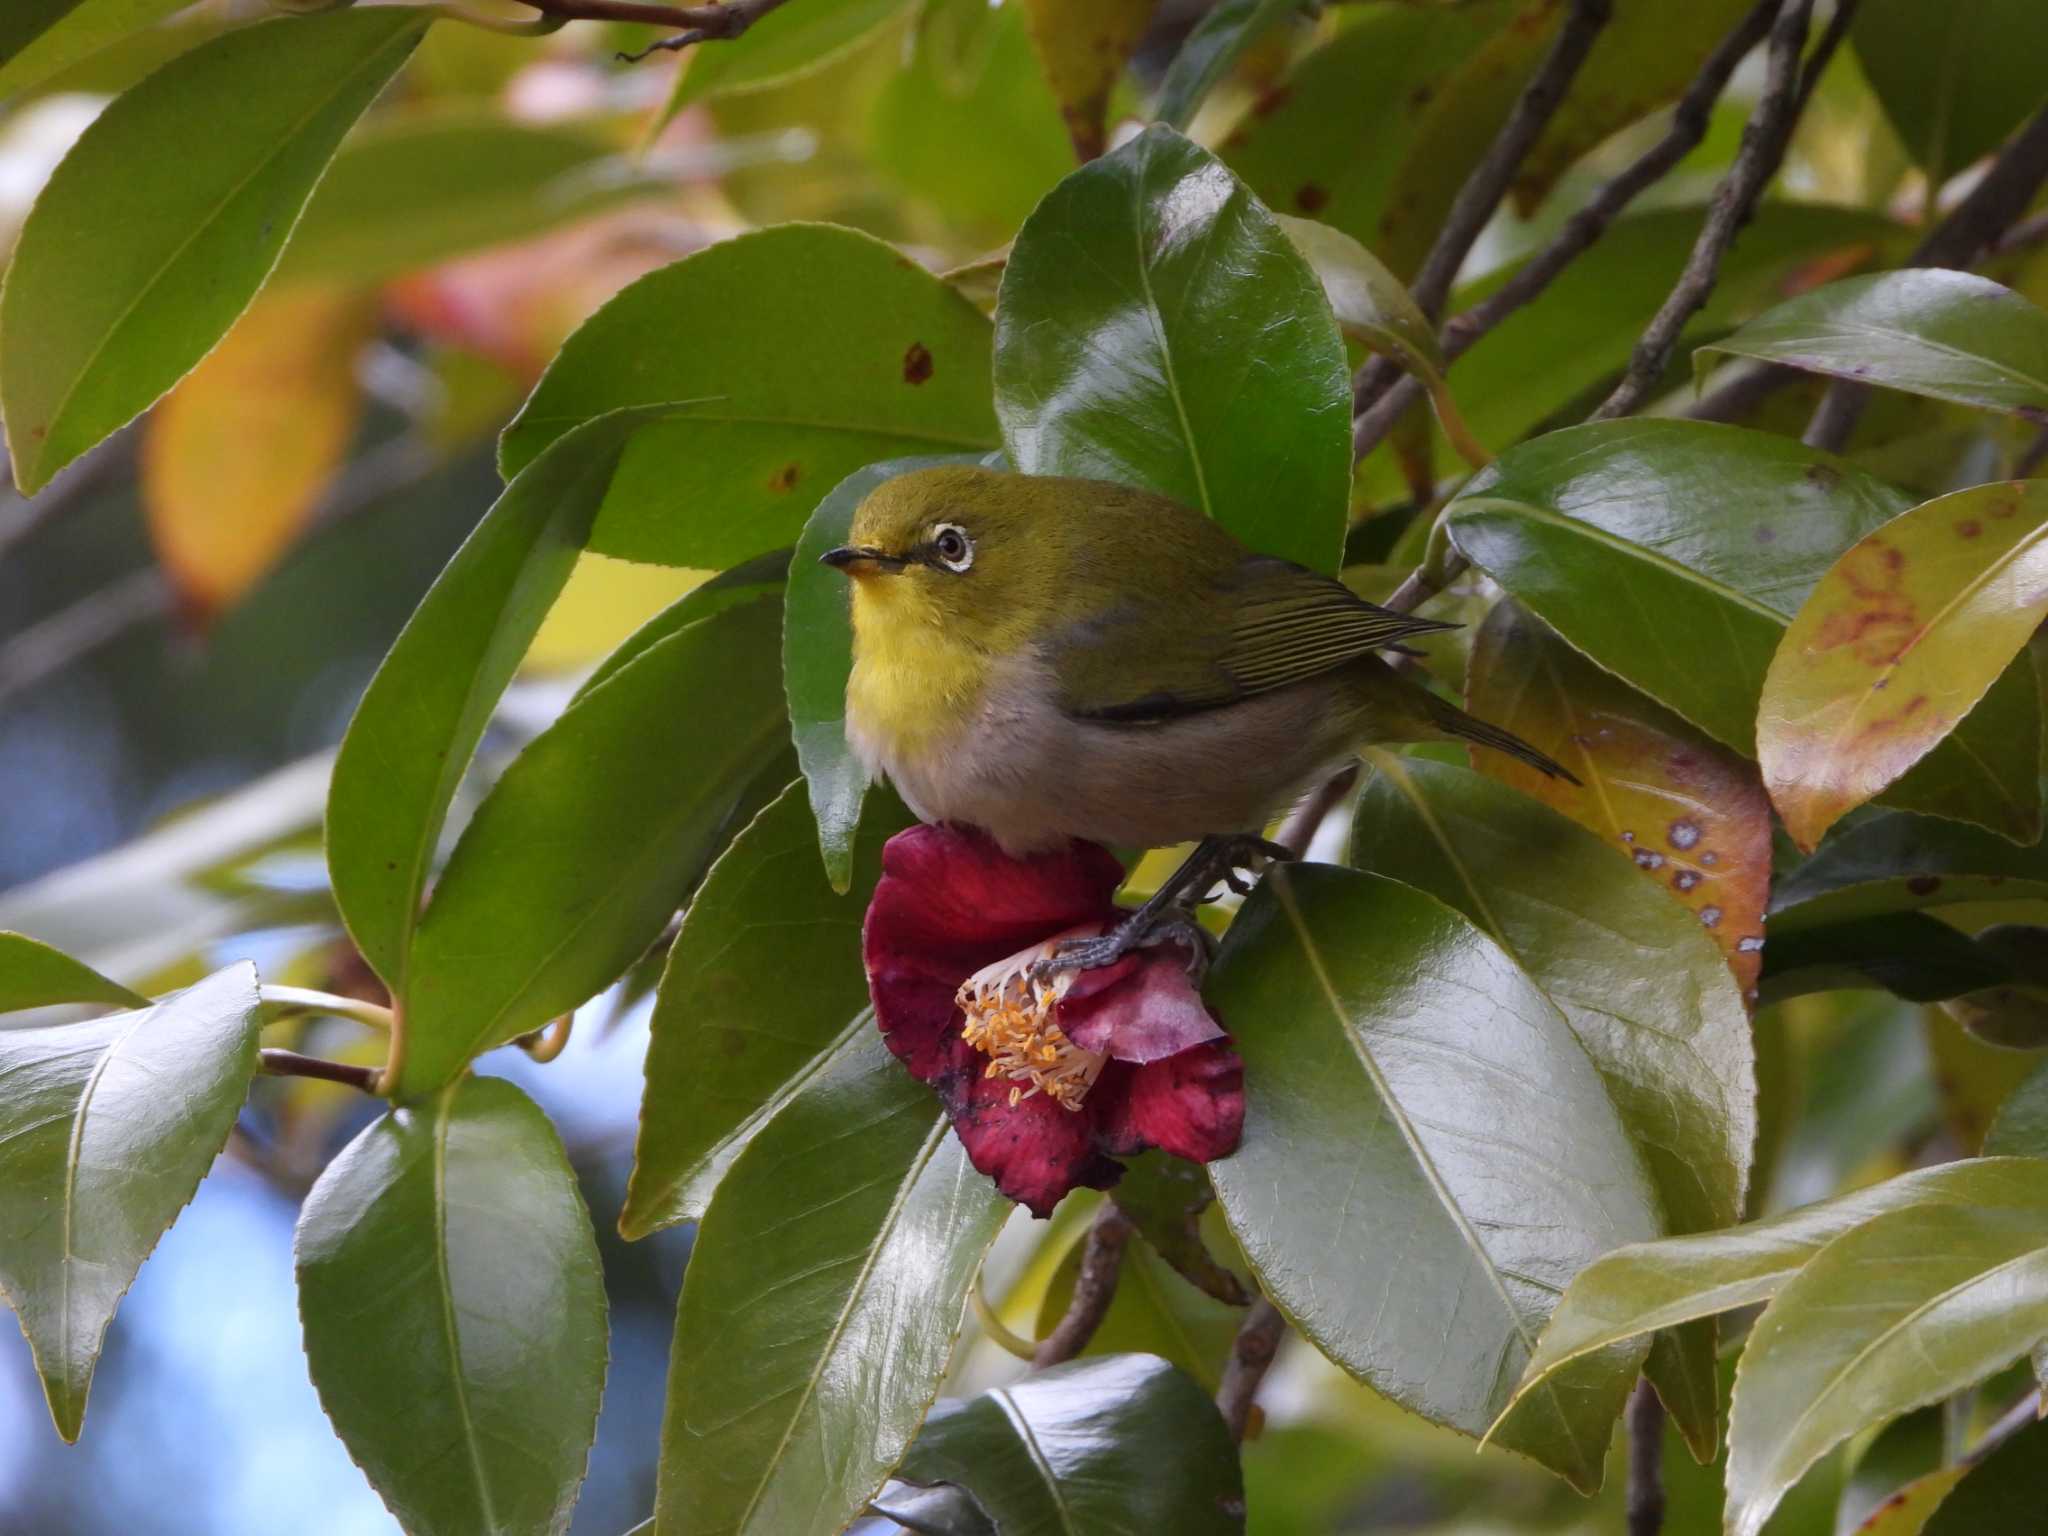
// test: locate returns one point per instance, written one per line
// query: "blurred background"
(188, 615)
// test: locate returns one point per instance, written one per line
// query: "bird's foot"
(1173, 924)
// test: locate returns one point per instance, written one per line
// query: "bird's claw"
(1141, 930)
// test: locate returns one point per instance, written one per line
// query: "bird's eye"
(953, 547)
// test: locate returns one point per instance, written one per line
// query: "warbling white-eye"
(1048, 658)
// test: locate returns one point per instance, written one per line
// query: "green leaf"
(1946, 335)
(818, 350)
(106, 1129)
(817, 657)
(1909, 954)
(2021, 1129)
(46, 37)
(33, 975)
(1911, 1306)
(1658, 1285)
(1908, 1509)
(1154, 1312)
(162, 222)
(1157, 327)
(1897, 644)
(1897, 862)
(821, 1305)
(2002, 1493)
(455, 1227)
(1954, 79)
(784, 45)
(420, 719)
(1165, 1198)
(1673, 1048)
(764, 990)
(417, 189)
(1675, 553)
(590, 839)
(1212, 49)
(1123, 1446)
(1370, 303)
(1408, 1078)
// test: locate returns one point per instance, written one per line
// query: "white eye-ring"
(953, 547)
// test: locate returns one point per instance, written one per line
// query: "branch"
(1490, 179)
(1763, 148)
(1094, 1289)
(691, 23)
(1689, 122)
(276, 1063)
(1258, 1340)
(1972, 228)
(2016, 1418)
(1645, 1462)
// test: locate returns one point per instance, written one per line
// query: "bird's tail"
(1453, 721)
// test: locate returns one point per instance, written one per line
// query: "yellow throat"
(916, 681)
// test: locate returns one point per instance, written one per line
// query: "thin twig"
(1102, 1261)
(1645, 1462)
(2033, 458)
(2016, 1418)
(1488, 183)
(1971, 229)
(1306, 819)
(1763, 147)
(1251, 1356)
(276, 1063)
(21, 515)
(1689, 122)
(691, 23)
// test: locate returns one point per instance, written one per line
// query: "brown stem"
(1763, 148)
(1490, 179)
(277, 1063)
(1251, 1356)
(1645, 1462)
(1971, 229)
(2034, 456)
(1102, 1261)
(692, 23)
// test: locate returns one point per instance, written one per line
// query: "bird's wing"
(1269, 624)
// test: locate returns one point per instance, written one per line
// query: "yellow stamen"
(1011, 1017)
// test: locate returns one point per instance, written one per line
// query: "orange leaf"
(1083, 46)
(1897, 643)
(1691, 814)
(236, 457)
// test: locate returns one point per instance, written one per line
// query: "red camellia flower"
(1046, 1081)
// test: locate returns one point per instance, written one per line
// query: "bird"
(1047, 658)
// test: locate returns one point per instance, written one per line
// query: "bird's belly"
(1032, 777)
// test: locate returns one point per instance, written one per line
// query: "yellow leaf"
(605, 601)
(1083, 46)
(235, 459)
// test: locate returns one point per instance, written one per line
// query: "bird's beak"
(857, 560)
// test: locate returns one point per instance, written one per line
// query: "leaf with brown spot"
(1897, 644)
(237, 456)
(1083, 46)
(1690, 813)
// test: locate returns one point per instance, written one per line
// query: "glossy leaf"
(33, 975)
(1399, 1065)
(1954, 78)
(1897, 644)
(1643, 987)
(1714, 536)
(2002, 1492)
(784, 45)
(1689, 813)
(1946, 335)
(2021, 1129)
(1165, 1198)
(160, 225)
(1211, 50)
(763, 991)
(106, 1129)
(858, 1213)
(818, 350)
(1895, 862)
(1157, 327)
(236, 458)
(1083, 46)
(1657, 1285)
(1909, 1307)
(1371, 305)
(416, 189)
(817, 658)
(454, 1312)
(44, 37)
(1120, 1446)
(612, 812)
(425, 710)
(1909, 954)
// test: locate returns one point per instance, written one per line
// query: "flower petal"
(1190, 1105)
(1035, 1150)
(1150, 1013)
